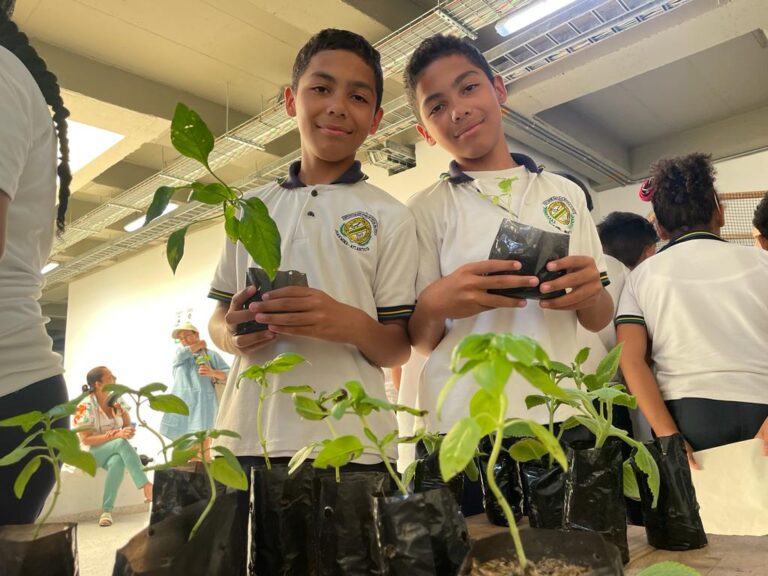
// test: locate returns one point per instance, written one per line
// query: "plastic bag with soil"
(421, 534)
(428, 477)
(53, 552)
(345, 523)
(534, 249)
(257, 277)
(586, 549)
(282, 511)
(675, 523)
(175, 489)
(594, 493)
(544, 493)
(507, 474)
(164, 548)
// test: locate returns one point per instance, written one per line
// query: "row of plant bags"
(53, 553)
(163, 548)
(308, 523)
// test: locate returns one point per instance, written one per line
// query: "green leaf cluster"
(245, 219)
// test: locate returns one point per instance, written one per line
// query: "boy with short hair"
(457, 100)
(353, 241)
(628, 237)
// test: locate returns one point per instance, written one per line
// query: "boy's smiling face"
(460, 110)
(335, 105)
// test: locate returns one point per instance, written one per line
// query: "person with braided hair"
(30, 372)
(702, 304)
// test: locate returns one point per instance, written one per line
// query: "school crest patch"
(560, 213)
(356, 230)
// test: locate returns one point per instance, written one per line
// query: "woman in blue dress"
(196, 370)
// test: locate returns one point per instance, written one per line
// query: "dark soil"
(508, 567)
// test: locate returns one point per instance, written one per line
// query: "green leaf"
(174, 249)
(216, 433)
(410, 472)
(296, 389)
(485, 409)
(648, 466)
(260, 236)
(339, 452)
(613, 396)
(283, 363)
(549, 442)
(61, 439)
(152, 388)
(609, 365)
(472, 471)
(211, 194)
(189, 134)
(493, 374)
(159, 203)
(254, 372)
(231, 223)
(299, 457)
(309, 408)
(588, 423)
(408, 410)
(17, 454)
(26, 421)
(582, 356)
(534, 400)
(668, 568)
(458, 447)
(522, 348)
(119, 389)
(341, 408)
(591, 382)
(63, 410)
(79, 459)
(631, 489)
(227, 470)
(540, 379)
(445, 391)
(169, 403)
(561, 369)
(517, 428)
(472, 347)
(26, 473)
(527, 449)
(370, 435)
(569, 423)
(356, 390)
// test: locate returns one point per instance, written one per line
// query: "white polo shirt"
(704, 303)
(356, 243)
(28, 177)
(456, 224)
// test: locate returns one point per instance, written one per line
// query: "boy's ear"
(290, 102)
(499, 89)
(762, 241)
(376, 121)
(425, 134)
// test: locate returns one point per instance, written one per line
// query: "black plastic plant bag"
(586, 549)
(428, 477)
(163, 549)
(53, 552)
(421, 534)
(544, 489)
(594, 493)
(345, 523)
(257, 277)
(675, 523)
(176, 488)
(282, 512)
(507, 475)
(534, 249)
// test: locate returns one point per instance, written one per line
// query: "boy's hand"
(301, 311)
(464, 292)
(582, 277)
(237, 315)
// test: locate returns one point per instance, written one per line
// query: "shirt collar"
(353, 174)
(457, 176)
(697, 235)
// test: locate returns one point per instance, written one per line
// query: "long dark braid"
(17, 42)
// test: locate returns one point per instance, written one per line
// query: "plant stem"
(263, 441)
(384, 458)
(211, 500)
(334, 435)
(146, 427)
(57, 478)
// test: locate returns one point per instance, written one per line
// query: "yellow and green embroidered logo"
(560, 213)
(357, 229)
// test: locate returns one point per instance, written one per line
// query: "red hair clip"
(647, 190)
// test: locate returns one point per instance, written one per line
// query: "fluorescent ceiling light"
(86, 143)
(134, 225)
(529, 15)
(48, 267)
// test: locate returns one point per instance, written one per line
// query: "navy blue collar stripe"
(457, 176)
(353, 174)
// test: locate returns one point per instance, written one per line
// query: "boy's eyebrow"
(458, 80)
(332, 79)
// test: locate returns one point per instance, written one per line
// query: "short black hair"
(580, 184)
(760, 220)
(434, 48)
(625, 235)
(684, 196)
(333, 39)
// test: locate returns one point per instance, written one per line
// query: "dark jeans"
(42, 396)
(709, 423)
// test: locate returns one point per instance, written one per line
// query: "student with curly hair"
(760, 222)
(30, 373)
(702, 304)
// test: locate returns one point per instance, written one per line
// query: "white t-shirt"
(356, 243)
(28, 176)
(456, 225)
(704, 303)
(504, 188)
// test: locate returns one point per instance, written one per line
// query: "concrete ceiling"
(693, 78)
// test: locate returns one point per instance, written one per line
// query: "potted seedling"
(416, 534)
(43, 548)
(246, 220)
(492, 359)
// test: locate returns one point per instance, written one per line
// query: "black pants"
(42, 396)
(709, 423)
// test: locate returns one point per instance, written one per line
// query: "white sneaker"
(105, 519)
